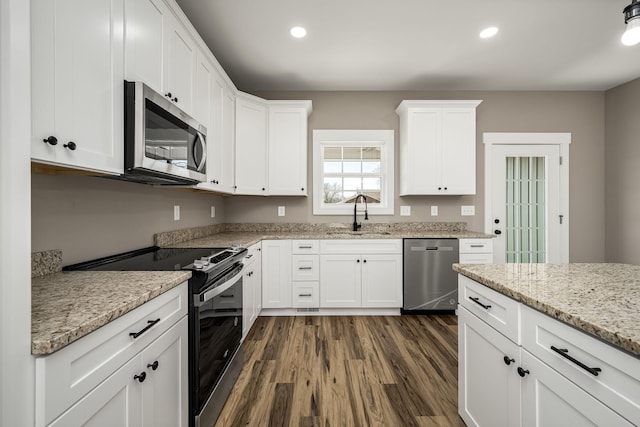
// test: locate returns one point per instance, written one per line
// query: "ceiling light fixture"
(488, 32)
(631, 35)
(298, 32)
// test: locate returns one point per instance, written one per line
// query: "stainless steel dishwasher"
(429, 281)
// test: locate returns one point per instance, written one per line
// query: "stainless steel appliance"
(215, 317)
(429, 282)
(162, 144)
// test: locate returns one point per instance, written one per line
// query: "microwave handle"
(200, 139)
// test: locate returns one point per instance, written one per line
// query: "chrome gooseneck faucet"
(357, 226)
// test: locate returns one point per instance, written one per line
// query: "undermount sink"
(360, 233)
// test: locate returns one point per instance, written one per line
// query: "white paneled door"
(527, 203)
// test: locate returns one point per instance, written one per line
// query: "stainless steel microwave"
(162, 144)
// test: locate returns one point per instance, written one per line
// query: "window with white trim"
(351, 162)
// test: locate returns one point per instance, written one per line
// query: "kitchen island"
(543, 344)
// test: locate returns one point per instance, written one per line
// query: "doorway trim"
(562, 140)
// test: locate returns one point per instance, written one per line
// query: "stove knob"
(197, 264)
(204, 260)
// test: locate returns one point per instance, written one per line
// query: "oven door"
(218, 332)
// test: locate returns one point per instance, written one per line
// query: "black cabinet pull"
(304, 295)
(175, 99)
(227, 296)
(508, 360)
(522, 372)
(71, 145)
(498, 232)
(52, 140)
(140, 377)
(357, 260)
(150, 325)
(168, 94)
(305, 268)
(153, 365)
(477, 301)
(565, 353)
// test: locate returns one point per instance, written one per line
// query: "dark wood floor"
(347, 371)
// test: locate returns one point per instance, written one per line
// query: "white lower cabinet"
(110, 378)
(251, 287)
(476, 251)
(361, 273)
(550, 399)
(488, 387)
(276, 274)
(557, 376)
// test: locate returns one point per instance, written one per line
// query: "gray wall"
(89, 217)
(622, 163)
(581, 113)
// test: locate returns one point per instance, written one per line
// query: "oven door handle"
(210, 294)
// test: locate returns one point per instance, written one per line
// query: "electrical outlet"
(280, 210)
(467, 210)
(176, 213)
(405, 210)
(434, 211)
(213, 211)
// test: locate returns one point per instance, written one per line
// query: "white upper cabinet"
(220, 133)
(437, 147)
(77, 84)
(160, 52)
(288, 147)
(251, 145)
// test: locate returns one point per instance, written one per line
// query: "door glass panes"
(525, 210)
(351, 170)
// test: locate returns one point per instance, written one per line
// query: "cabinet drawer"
(476, 246)
(361, 246)
(617, 384)
(306, 294)
(70, 373)
(305, 267)
(499, 311)
(476, 258)
(304, 247)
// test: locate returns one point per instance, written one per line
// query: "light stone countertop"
(68, 305)
(246, 239)
(600, 299)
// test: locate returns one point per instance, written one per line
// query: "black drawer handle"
(477, 246)
(150, 325)
(227, 296)
(477, 301)
(305, 247)
(305, 268)
(305, 295)
(564, 353)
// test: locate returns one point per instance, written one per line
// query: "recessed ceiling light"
(488, 32)
(298, 32)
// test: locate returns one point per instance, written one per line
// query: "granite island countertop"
(65, 306)
(600, 299)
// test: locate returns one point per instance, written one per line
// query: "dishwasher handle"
(432, 248)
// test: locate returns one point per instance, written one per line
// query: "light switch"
(213, 211)
(467, 210)
(405, 210)
(280, 210)
(176, 213)
(434, 211)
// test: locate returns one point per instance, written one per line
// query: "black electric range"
(215, 316)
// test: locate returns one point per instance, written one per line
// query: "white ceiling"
(418, 44)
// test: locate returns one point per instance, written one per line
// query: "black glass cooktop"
(147, 259)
